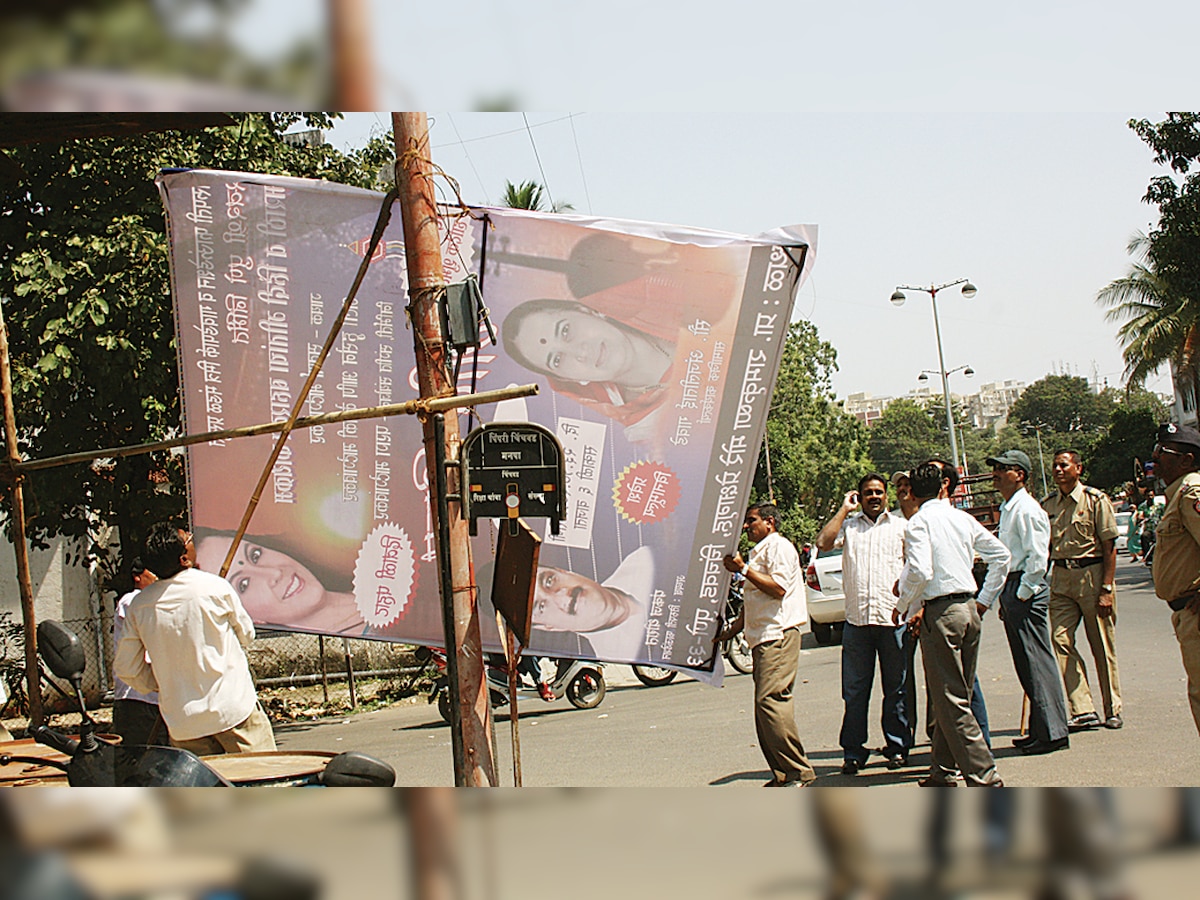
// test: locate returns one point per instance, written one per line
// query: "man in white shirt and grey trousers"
(938, 595)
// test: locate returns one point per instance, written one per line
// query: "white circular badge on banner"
(384, 575)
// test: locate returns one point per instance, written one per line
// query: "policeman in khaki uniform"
(1177, 548)
(1083, 552)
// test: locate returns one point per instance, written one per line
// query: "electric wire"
(486, 198)
(579, 156)
(533, 143)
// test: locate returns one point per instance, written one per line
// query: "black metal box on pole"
(512, 470)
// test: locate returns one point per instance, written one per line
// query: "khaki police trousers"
(1073, 596)
(1187, 632)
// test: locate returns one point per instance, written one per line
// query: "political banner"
(655, 349)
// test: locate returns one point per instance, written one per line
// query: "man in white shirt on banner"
(774, 608)
(938, 594)
(872, 542)
(194, 631)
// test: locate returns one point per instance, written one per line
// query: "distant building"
(864, 407)
(1183, 410)
(990, 407)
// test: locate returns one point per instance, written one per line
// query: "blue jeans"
(861, 646)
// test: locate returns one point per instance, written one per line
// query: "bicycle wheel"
(737, 651)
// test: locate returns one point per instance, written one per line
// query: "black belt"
(1081, 563)
(952, 597)
(1180, 602)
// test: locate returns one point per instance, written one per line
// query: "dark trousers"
(861, 646)
(139, 724)
(1027, 624)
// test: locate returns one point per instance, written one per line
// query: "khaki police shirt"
(1177, 540)
(1079, 522)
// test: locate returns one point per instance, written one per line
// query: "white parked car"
(1123, 521)
(826, 599)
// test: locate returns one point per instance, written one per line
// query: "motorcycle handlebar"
(59, 742)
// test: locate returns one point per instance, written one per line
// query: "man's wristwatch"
(1107, 588)
(745, 569)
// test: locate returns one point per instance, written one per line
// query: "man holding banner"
(774, 608)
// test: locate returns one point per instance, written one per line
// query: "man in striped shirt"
(872, 542)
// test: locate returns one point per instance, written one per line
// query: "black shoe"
(896, 761)
(1024, 741)
(1083, 721)
(851, 767)
(1037, 748)
(930, 781)
(1114, 722)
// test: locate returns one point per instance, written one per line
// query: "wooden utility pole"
(32, 678)
(426, 286)
(353, 61)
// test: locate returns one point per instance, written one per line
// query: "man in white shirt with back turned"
(872, 542)
(938, 594)
(194, 630)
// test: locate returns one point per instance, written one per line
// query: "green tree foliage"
(1065, 403)
(83, 270)
(1173, 256)
(529, 195)
(1130, 434)
(818, 452)
(907, 433)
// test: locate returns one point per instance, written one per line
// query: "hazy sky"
(1035, 209)
(925, 139)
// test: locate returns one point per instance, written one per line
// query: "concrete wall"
(60, 588)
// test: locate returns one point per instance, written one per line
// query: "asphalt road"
(690, 734)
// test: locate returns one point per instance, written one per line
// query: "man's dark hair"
(872, 476)
(949, 471)
(164, 549)
(767, 511)
(926, 480)
(1074, 454)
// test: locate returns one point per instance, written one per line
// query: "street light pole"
(968, 291)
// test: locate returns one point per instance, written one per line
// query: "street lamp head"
(968, 290)
(968, 371)
(898, 298)
(922, 378)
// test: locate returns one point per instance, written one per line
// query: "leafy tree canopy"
(817, 451)
(87, 304)
(1065, 403)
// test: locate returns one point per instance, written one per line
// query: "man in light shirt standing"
(194, 629)
(773, 610)
(872, 542)
(135, 715)
(1024, 604)
(938, 593)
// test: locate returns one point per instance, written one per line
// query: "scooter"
(93, 761)
(582, 683)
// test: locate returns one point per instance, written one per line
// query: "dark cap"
(1184, 435)
(1012, 458)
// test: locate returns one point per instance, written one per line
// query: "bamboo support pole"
(418, 407)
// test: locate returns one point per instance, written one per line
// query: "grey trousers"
(775, 664)
(1027, 624)
(950, 648)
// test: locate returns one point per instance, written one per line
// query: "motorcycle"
(581, 682)
(92, 760)
(736, 650)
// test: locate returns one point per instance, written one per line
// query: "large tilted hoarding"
(655, 349)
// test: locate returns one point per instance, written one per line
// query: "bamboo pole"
(353, 61)
(408, 408)
(423, 255)
(28, 616)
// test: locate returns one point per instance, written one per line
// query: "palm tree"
(1160, 325)
(528, 195)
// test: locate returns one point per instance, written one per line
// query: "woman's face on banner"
(574, 345)
(273, 587)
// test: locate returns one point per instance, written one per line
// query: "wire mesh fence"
(278, 659)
